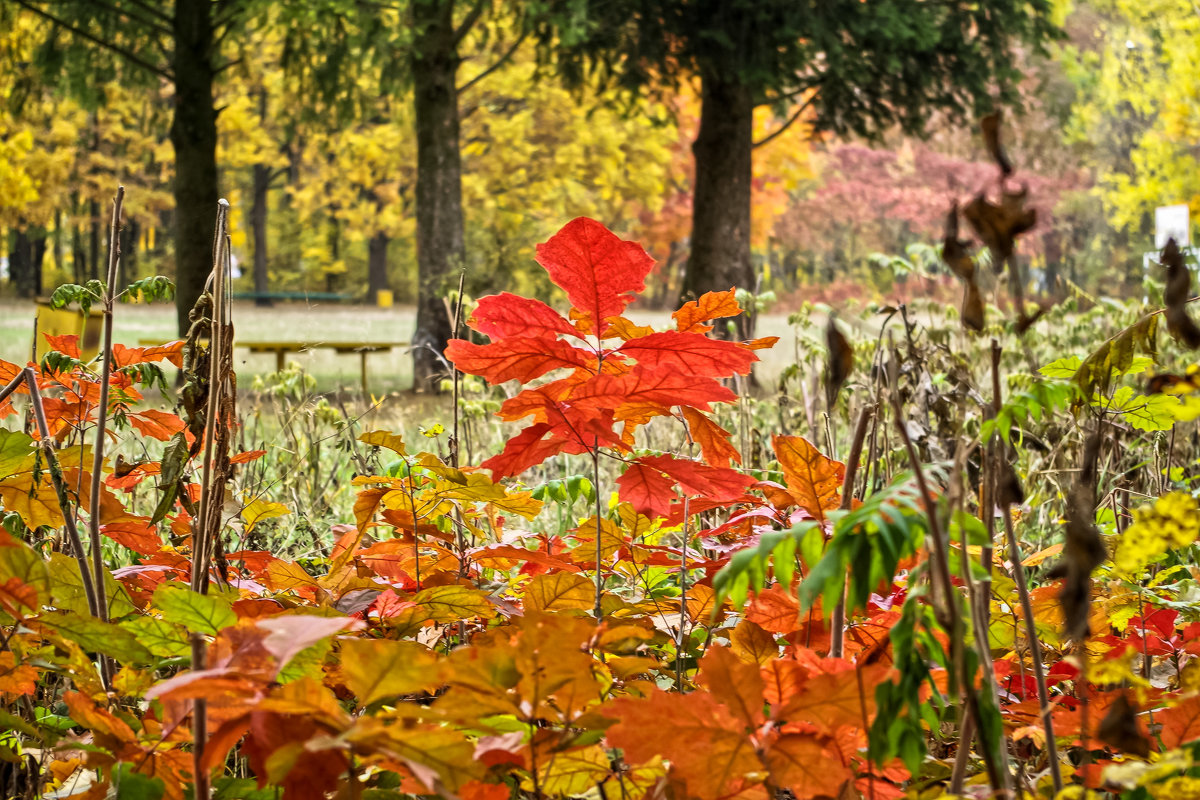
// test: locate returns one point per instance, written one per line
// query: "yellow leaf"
(258, 510)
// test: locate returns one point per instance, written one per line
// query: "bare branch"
(799, 112)
(129, 56)
(469, 22)
(501, 61)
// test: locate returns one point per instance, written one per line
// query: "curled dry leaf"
(954, 250)
(1000, 225)
(1179, 285)
(841, 360)
(1120, 728)
(1008, 486)
(972, 307)
(990, 126)
(954, 253)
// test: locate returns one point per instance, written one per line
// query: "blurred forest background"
(316, 120)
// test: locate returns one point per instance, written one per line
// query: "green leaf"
(97, 636)
(163, 639)
(202, 613)
(68, 593)
(15, 450)
(1062, 368)
(131, 785)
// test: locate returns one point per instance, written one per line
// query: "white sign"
(1172, 222)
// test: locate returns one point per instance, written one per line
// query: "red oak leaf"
(599, 272)
(522, 359)
(690, 354)
(647, 490)
(503, 315)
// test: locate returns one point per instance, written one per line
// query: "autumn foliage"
(451, 643)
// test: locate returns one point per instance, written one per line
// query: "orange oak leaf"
(832, 699)
(600, 273)
(1180, 723)
(127, 356)
(736, 684)
(813, 480)
(67, 344)
(690, 317)
(706, 746)
(775, 610)
(16, 678)
(160, 425)
(805, 765)
(712, 438)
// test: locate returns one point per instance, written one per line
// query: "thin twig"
(838, 622)
(114, 259)
(60, 488)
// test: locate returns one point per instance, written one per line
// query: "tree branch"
(472, 17)
(152, 11)
(128, 55)
(496, 65)
(799, 111)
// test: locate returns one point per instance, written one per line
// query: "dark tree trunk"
(194, 137)
(377, 271)
(128, 264)
(258, 222)
(94, 241)
(439, 183)
(25, 262)
(78, 257)
(720, 256)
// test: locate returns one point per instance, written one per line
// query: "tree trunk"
(377, 271)
(194, 137)
(439, 183)
(720, 256)
(25, 262)
(94, 241)
(258, 222)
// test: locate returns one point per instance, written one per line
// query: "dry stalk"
(838, 621)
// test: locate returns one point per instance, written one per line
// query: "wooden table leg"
(362, 356)
(279, 356)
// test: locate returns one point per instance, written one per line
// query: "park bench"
(328, 297)
(282, 347)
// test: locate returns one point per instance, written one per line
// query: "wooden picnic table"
(281, 347)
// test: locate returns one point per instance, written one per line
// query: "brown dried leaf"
(999, 225)
(954, 250)
(991, 138)
(1120, 728)
(972, 307)
(841, 361)
(1179, 285)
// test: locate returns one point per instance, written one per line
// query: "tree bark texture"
(194, 137)
(25, 262)
(439, 183)
(720, 251)
(377, 272)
